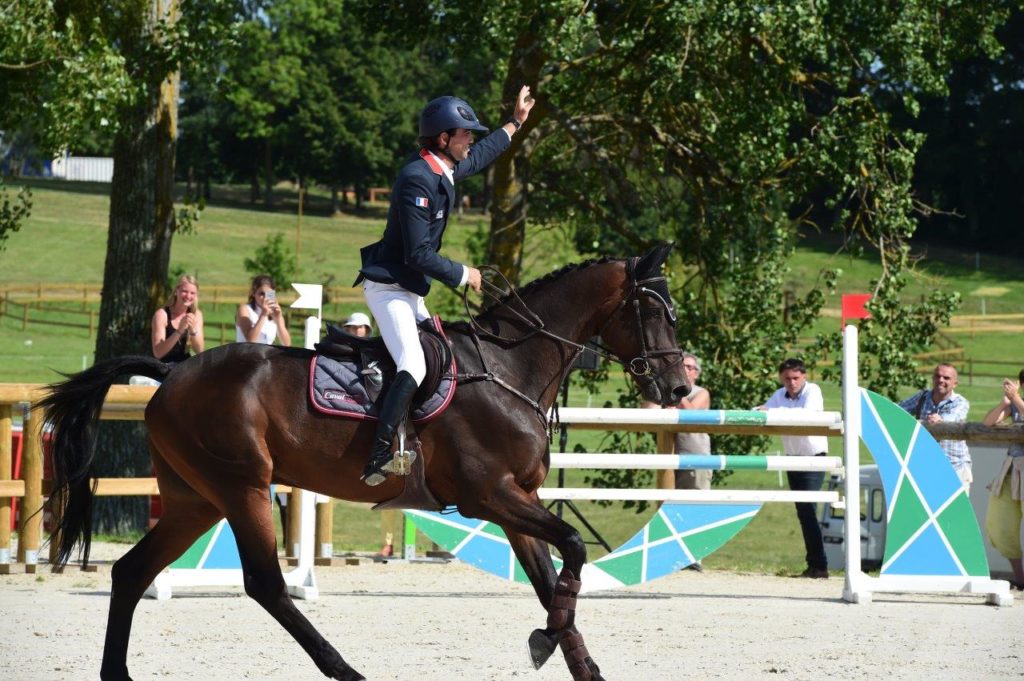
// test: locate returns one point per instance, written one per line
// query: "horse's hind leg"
(529, 526)
(185, 518)
(251, 520)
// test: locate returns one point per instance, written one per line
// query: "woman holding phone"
(177, 328)
(1006, 501)
(260, 320)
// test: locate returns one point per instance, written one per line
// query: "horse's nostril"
(680, 392)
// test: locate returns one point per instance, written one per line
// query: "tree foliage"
(273, 258)
(12, 211)
(970, 165)
(732, 128)
(316, 96)
(60, 75)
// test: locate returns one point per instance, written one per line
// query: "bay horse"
(228, 422)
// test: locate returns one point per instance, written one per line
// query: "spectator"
(798, 393)
(358, 324)
(1006, 501)
(693, 443)
(178, 326)
(260, 320)
(940, 404)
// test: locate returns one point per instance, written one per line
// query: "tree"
(731, 128)
(969, 166)
(273, 258)
(12, 211)
(116, 64)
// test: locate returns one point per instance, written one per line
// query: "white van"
(872, 522)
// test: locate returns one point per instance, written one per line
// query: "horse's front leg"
(530, 528)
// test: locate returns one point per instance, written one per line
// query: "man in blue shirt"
(943, 404)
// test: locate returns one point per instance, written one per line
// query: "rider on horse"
(397, 270)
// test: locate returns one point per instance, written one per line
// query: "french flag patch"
(421, 202)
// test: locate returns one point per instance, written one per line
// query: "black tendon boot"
(394, 409)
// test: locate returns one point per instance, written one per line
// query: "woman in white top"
(260, 320)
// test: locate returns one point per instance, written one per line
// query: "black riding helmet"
(444, 113)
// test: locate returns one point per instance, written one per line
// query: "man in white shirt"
(797, 393)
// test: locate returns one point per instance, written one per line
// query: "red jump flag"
(853, 307)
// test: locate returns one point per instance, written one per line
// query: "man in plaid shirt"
(940, 404)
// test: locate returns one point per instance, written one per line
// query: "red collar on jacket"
(434, 164)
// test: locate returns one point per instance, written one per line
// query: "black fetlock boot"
(394, 409)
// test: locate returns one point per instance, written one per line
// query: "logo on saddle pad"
(338, 395)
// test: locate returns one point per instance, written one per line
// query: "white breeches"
(397, 312)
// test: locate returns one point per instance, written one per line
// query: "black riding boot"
(394, 409)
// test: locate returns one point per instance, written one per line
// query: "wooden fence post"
(324, 541)
(6, 460)
(666, 445)
(30, 522)
(293, 532)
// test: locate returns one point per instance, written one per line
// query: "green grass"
(64, 241)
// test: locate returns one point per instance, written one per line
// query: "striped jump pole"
(685, 462)
(703, 496)
(779, 421)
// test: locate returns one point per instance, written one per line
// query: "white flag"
(310, 296)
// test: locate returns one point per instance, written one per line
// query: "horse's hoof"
(118, 673)
(595, 671)
(541, 645)
(344, 673)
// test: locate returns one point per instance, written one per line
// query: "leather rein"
(639, 366)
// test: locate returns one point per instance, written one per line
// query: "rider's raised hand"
(524, 102)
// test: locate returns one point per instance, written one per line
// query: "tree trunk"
(268, 175)
(141, 226)
(254, 187)
(511, 171)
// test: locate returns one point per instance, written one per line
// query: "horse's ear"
(650, 264)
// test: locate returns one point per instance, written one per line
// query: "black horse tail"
(71, 410)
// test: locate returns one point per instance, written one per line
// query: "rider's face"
(459, 143)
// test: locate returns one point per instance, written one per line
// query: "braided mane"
(540, 281)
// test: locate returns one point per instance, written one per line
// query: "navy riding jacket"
(421, 199)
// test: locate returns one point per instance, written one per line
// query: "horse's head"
(641, 331)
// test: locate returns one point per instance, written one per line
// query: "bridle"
(638, 366)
